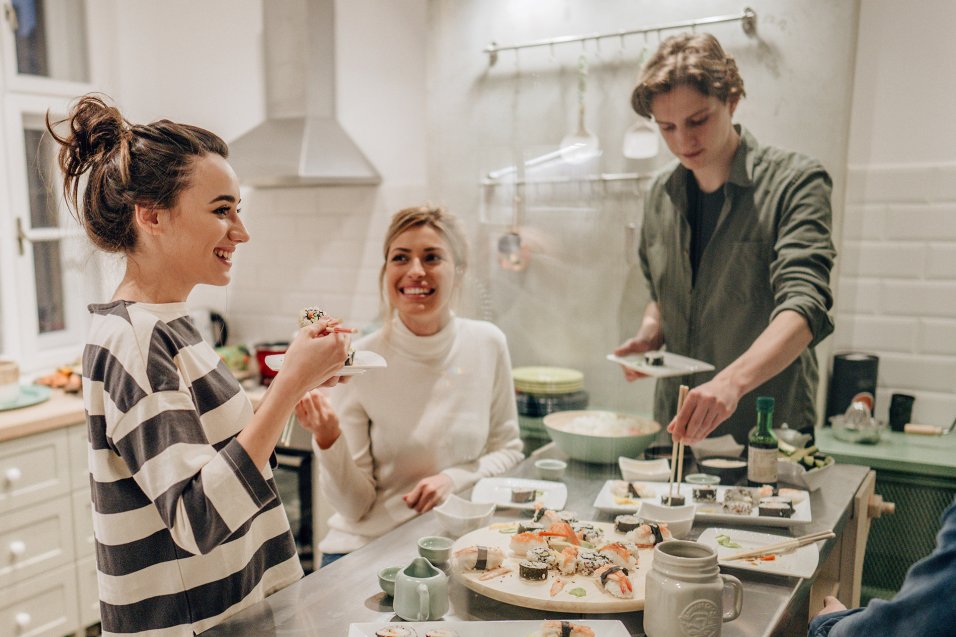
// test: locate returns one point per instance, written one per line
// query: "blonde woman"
(393, 443)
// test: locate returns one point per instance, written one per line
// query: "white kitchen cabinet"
(47, 551)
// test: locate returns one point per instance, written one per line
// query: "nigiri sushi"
(479, 558)
(615, 581)
(650, 533)
(521, 543)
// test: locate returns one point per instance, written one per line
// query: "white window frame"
(83, 272)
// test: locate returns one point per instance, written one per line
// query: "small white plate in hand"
(800, 562)
(674, 364)
(364, 360)
(498, 490)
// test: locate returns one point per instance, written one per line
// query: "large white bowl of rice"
(600, 436)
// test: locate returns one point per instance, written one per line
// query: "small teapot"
(421, 592)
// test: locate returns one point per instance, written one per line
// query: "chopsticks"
(677, 452)
(782, 547)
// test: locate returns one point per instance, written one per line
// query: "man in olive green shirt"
(736, 250)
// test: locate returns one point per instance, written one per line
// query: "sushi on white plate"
(563, 628)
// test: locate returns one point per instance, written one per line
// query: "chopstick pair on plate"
(781, 547)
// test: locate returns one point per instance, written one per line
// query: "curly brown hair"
(694, 59)
(124, 164)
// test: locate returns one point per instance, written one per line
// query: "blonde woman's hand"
(429, 492)
(314, 355)
(315, 414)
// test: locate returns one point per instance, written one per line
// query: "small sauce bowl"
(435, 548)
(550, 468)
(386, 579)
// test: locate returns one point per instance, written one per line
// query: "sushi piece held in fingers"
(615, 581)
(649, 534)
(564, 628)
(534, 571)
(396, 630)
(521, 543)
(479, 558)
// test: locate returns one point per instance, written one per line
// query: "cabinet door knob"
(18, 548)
(22, 619)
(13, 474)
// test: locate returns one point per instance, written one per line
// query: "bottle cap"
(764, 402)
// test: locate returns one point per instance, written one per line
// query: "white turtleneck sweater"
(445, 403)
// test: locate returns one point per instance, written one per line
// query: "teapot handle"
(733, 583)
(423, 602)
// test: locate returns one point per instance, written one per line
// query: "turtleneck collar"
(417, 347)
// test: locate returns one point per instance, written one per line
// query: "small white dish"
(498, 490)
(458, 516)
(679, 519)
(674, 364)
(363, 361)
(550, 468)
(724, 446)
(657, 470)
(801, 562)
(521, 628)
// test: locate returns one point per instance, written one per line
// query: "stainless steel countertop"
(327, 601)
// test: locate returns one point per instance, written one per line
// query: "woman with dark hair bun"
(188, 523)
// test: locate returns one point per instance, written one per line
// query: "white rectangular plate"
(800, 562)
(601, 628)
(363, 361)
(498, 490)
(674, 364)
(706, 511)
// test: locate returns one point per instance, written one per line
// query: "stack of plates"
(547, 380)
(540, 391)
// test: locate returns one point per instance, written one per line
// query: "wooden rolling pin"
(922, 430)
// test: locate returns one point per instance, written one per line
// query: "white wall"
(897, 285)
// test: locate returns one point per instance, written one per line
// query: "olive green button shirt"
(771, 251)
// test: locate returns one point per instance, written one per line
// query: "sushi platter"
(580, 593)
(800, 562)
(610, 500)
(527, 628)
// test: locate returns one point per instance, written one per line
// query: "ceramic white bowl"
(679, 519)
(657, 470)
(550, 468)
(458, 516)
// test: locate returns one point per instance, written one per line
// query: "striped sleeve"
(203, 492)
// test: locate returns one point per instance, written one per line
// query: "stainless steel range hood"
(301, 142)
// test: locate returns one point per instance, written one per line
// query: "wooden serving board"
(512, 589)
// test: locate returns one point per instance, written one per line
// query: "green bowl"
(600, 436)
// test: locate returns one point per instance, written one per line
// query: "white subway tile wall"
(896, 292)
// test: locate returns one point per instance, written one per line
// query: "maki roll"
(775, 507)
(738, 507)
(564, 628)
(587, 532)
(310, 315)
(620, 554)
(479, 558)
(741, 494)
(705, 493)
(522, 495)
(543, 555)
(567, 516)
(654, 360)
(530, 527)
(396, 630)
(590, 561)
(672, 500)
(626, 523)
(534, 571)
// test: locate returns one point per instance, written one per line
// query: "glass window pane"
(51, 39)
(40, 178)
(48, 274)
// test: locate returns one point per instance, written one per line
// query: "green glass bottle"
(762, 447)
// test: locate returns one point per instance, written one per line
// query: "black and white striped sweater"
(188, 530)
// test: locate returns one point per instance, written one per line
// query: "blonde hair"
(694, 59)
(446, 224)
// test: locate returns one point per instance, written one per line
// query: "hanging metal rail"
(748, 18)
